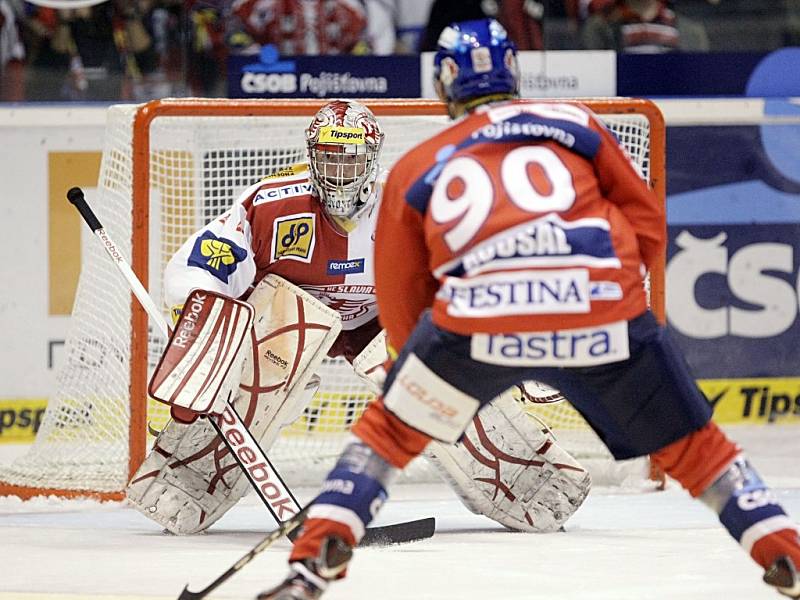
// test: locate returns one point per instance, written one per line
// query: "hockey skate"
(782, 575)
(309, 578)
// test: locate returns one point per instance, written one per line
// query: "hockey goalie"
(297, 247)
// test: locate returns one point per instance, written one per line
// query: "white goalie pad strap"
(189, 479)
(301, 400)
(535, 392)
(200, 366)
(368, 365)
(511, 470)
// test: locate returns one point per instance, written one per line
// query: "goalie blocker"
(198, 371)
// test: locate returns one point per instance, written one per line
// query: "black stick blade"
(188, 595)
(399, 533)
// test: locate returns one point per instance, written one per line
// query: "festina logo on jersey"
(517, 293)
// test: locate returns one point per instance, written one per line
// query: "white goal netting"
(197, 166)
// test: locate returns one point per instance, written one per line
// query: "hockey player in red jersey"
(313, 224)
(525, 233)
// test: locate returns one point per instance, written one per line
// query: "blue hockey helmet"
(475, 59)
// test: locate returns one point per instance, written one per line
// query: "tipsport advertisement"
(732, 280)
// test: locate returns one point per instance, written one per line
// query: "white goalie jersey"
(278, 226)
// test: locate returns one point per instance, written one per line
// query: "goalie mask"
(344, 141)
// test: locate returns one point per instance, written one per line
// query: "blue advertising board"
(266, 75)
(774, 74)
(734, 248)
(706, 74)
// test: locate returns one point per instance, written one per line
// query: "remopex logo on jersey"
(273, 77)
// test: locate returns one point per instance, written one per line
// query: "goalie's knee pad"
(510, 469)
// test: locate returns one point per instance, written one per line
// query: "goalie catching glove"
(189, 479)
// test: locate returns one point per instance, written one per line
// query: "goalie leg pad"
(510, 469)
(509, 466)
(190, 479)
(185, 483)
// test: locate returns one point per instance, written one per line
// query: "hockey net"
(169, 167)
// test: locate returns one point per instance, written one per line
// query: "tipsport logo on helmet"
(341, 135)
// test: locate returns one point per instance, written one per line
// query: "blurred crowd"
(141, 49)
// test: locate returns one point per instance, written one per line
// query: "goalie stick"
(279, 493)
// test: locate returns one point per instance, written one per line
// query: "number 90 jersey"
(522, 216)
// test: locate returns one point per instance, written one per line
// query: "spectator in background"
(578, 11)
(12, 54)
(310, 27)
(643, 26)
(105, 52)
(47, 54)
(209, 45)
(521, 18)
(396, 26)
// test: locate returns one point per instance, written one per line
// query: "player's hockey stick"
(286, 528)
(275, 494)
(402, 532)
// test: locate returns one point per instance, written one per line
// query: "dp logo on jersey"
(293, 238)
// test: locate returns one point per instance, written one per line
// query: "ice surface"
(659, 545)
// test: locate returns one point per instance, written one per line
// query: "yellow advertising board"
(766, 400)
(20, 419)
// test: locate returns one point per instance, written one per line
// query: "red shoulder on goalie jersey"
(311, 223)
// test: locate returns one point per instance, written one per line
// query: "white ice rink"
(660, 546)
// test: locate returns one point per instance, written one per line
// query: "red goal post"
(637, 123)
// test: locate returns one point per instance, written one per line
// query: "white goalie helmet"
(344, 141)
